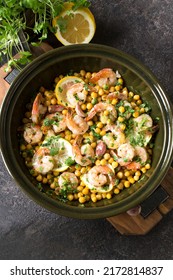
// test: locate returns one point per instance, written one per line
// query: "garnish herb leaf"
(80, 3)
(13, 20)
(69, 161)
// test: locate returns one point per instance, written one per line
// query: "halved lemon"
(61, 151)
(62, 86)
(79, 28)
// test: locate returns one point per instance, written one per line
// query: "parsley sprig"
(13, 19)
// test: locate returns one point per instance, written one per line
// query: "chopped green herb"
(50, 192)
(60, 89)
(54, 151)
(40, 187)
(106, 87)
(146, 106)
(94, 101)
(137, 159)
(105, 187)
(96, 135)
(76, 97)
(137, 139)
(63, 193)
(62, 24)
(69, 161)
(48, 122)
(86, 87)
(50, 140)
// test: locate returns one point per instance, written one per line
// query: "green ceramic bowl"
(41, 72)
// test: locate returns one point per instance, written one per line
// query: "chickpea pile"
(117, 122)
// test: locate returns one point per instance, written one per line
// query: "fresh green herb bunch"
(13, 20)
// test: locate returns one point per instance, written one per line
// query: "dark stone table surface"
(142, 28)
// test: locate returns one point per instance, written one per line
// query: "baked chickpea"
(116, 191)
(82, 199)
(120, 174)
(126, 184)
(77, 160)
(107, 156)
(108, 196)
(70, 197)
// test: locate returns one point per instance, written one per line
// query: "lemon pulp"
(80, 25)
(61, 150)
(62, 87)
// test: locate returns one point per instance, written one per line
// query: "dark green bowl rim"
(81, 212)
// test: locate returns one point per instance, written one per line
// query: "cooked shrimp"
(147, 137)
(122, 95)
(126, 151)
(105, 76)
(83, 154)
(125, 154)
(141, 138)
(101, 107)
(32, 133)
(50, 132)
(143, 122)
(79, 111)
(56, 121)
(68, 180)
(134, 165)
(75, 94)
(141, 153)
(37, 109)
(53, 108)
(115, 138)
(76, 124)
(42, 161)
(142, 130)
(101, 175)
(143, 156)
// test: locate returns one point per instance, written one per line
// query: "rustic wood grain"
(4, 86)
(137, 225)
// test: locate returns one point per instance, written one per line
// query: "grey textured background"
(142, 28)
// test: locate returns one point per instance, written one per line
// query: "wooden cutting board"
(153, 208)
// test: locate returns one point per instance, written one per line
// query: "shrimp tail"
(154, 129)
(55, 108)
(37, 109)
(133, 165)
(96, 109)
(90, 115)
(69, 114)
(122, 95)
(102, 73)
(78, 140)
(75, 146)
(79, 111)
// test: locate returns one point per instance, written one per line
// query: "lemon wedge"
(61, 89)
(61, 150)
(79, 28)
